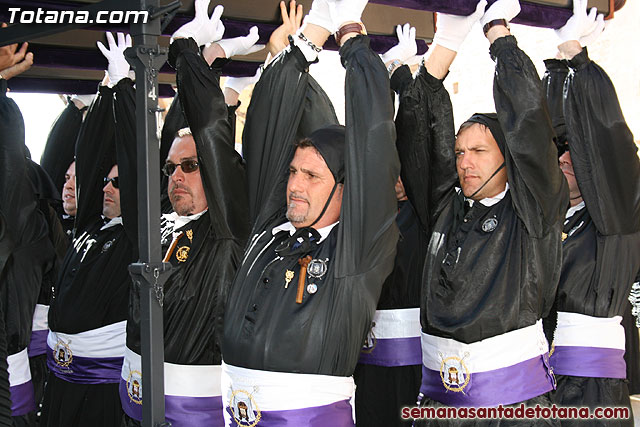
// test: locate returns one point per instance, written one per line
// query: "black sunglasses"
(114, 181)
(188, 166)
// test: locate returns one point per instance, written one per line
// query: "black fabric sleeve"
(425, 143)
(603, 151)
(367, 231)
(222, 168)
(539, 190)
(127, 157)
(318, 110)
(553, 85)
(173, 122)
(95, 155)
(61, 143)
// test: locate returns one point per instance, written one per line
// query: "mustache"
(297, 196)
(179, 186)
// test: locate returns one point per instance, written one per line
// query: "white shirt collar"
(573, 209)
(287, 226)
(180, 221)
(488, 201)
(112, 223)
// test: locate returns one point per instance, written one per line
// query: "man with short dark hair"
(202, 238)
(324, 236)
(493, 261)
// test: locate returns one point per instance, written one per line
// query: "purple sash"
(394, 352)
(38, 343)
(503, 386)
(338, 414)
(182, 411)
(22, 399)
(87, 370)
(596, 362)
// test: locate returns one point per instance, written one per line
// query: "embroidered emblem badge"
(62, 353)
(312, 288)
(182, 253)
(134, 387)
(317, 268)
(107, 245)
(370, 341)
(244, 408)
(454, 373)
(489, 225)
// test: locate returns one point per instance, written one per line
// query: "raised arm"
(603, 152)
(540, 193)
(222, 169)
(424, 121)
(368, 233)
(61, 144)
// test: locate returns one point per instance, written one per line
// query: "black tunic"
(94, 281)
(602, 246)
(196, 288)
(481, 284)
(264, 327)
(27, 252)
(381, 391)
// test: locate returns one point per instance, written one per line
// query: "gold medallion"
(288, 276)
(182, 253)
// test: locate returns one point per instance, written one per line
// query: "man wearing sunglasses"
(202, 239)
(89, 304)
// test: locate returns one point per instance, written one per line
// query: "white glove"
(321, 15)
(406, 47)
(118, 66)
(587, 39)
(85, 100)
(238, 84)
(346, 11)
(202, 28)
(451, 30)
(502, 9)
(241, 45)
(580, 24)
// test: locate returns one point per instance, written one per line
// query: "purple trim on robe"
(23, 399)
(38, 343)
(182, 411)
(337, 414)
(394, 352)
(596, 362)
(503, 386)
(87, 370)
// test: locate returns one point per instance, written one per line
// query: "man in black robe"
(27, 252)
(324, 236)
(601, 233)
(88, 312)
(202, 238)
(493, 261)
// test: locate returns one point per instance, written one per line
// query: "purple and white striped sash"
(90, 357)
(20, 385)
(192, 392)
(394, 339)
(505, 369)
(39, 331)
(265, 398)
(587, 346)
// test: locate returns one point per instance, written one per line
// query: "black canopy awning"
(69, 62)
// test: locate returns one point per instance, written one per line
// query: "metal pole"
(149, 274)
